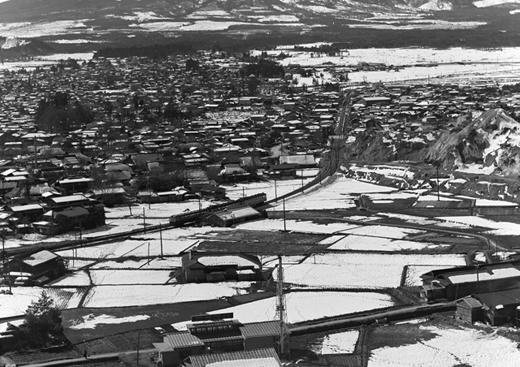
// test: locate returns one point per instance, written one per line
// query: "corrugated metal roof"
(248, 355)
(471, 302)
(258, 362)
(222, 338)
(180, 340)
(260, 329)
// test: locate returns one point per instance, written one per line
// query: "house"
(230, 216)
(500, 307)
(208, 337)
(70, 186)
(62, 202)
(30, 211)
(40, 267)
(285, 170)
(454, 283)
(299, 160)
(207, 267)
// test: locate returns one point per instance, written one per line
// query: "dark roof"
(256, 329)
(506, 297)
(471, 302)
(205, 359)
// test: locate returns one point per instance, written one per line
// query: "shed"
(469, 310)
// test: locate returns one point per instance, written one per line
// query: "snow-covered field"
(90, 321)
(502, 228)
(16, 304)
(127, 295)
(155, 263)
(450, 347)
(139, 248)
(305, 306)
(128, 277)
(295, 226)
(338, 343)
(367, 243)
(34, 30)
(361, 270)
(337, 193)
(272, 189)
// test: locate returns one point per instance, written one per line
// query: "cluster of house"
(191, 123)
(221, 340)
(486, 293)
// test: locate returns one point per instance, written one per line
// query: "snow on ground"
(16, 304)
(486, 3)
(75, 264)
(198, 25)
(76, 279)
(126, 295)
(339, 343)
(473, 63)
(305, 306)
(272, 188)
(502, 228)
(90, 321)
(166, 26)
(41, 29)
(382, 231)
(156, 263)
(411, 219)
(488, 202)
(336, 193)
(295, 226)
(159, 210)
(286, 260)
(385, 170)
(365, 243)
(204, 14)
(139, 248)
(422, 24)
(127, 277)
(450, 347)
(361, 270)
(282, 18)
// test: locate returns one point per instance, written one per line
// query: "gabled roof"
(182, 340)
(267, 328)
(251, 358)
(40, 258)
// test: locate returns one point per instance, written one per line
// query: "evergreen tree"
(42, 322)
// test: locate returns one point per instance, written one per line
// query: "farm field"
(348, 258)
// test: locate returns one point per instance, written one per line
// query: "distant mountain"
(96, 24)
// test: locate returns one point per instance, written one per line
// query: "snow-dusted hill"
(489, 143)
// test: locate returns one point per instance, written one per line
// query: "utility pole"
(160, 237)
(284, 223)
(4, 257)
(281, 312)
(138, 338)
(144, 220)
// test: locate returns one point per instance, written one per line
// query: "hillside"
(485, 144)
(94, 24)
